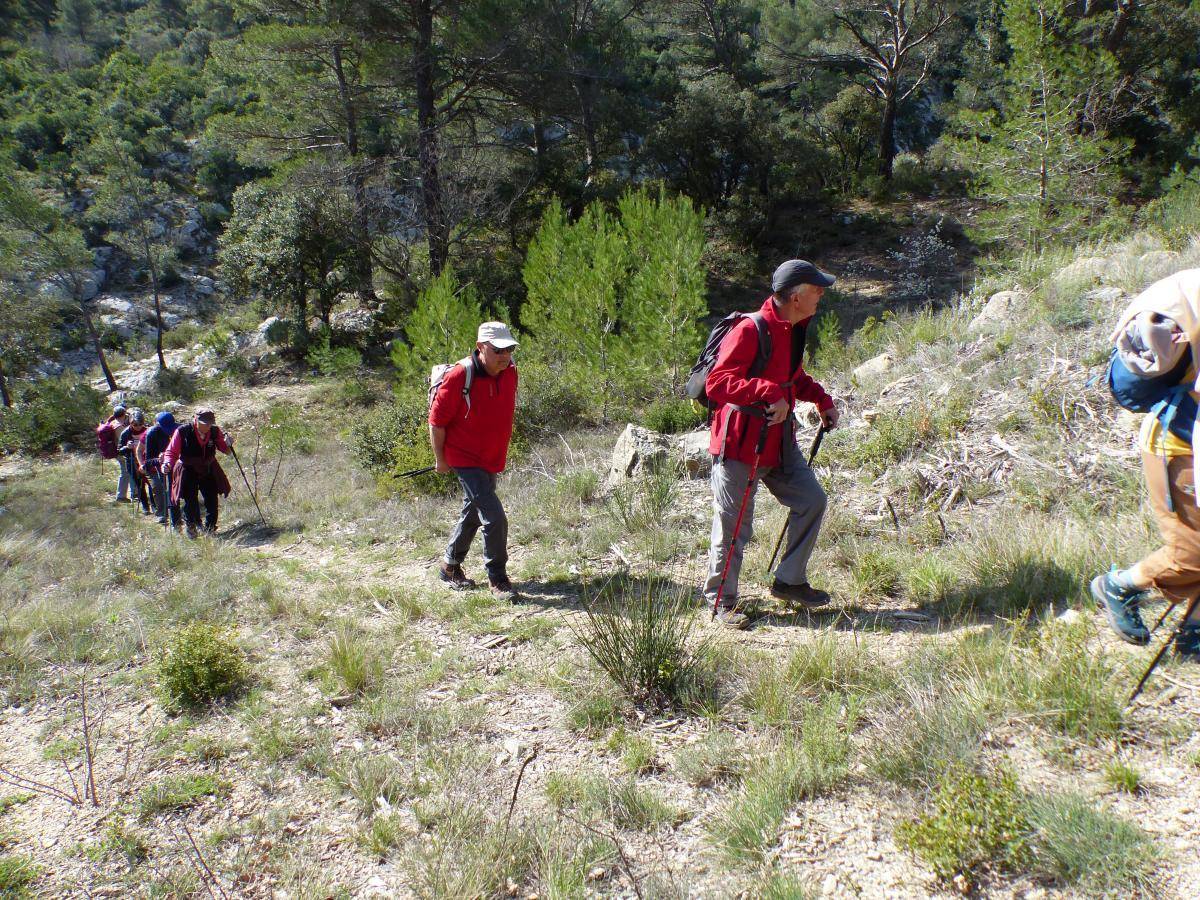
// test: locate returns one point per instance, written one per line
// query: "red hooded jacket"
(736, 433)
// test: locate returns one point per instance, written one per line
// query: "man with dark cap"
(191, 460)
(752, 394)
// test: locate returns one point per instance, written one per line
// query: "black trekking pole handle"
(233, 452)
(812, 454)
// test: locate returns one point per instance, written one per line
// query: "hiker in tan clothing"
(1158, 333)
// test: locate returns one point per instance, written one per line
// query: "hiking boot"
(1121, 605)
(502, 589)
(1187, 643)
(733, 618)
(453, 576)
(799, 594)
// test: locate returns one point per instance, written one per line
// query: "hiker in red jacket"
(746, 405)
(107, 434)
(191, 460)
(470, 428)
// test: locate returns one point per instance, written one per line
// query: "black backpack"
(695, 387)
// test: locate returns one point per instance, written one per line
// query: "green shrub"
(672, 416)
(977, 822)
(174, 384)
(621, 801)
(393, 438)
(1123, 776)
(896, 434)
(199, 665)
(641, 505)
(17, 875)
(50, 412)
(547, 404)
(640, 632)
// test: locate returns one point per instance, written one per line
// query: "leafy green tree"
(614, 303)
(26, 334)
(1043, 157)
(126, 206)
(290, 248)
(37, 243)
(315, 102)
(441, 329)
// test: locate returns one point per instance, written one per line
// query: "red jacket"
(478, 436)
(728, 382)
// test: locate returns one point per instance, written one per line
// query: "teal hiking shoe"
(1187, 644)
(1122, 608)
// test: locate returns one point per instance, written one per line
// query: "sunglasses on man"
(507, 351)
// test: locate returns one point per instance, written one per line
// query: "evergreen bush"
(198, 665)
(672, 415)
(50, 412)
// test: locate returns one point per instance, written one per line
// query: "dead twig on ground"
(517, 787)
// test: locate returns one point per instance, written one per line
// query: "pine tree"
(441, 329)
(572, 276)
(664, 298)
(1044, 157)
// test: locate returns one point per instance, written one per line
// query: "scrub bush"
(199, 665)
(50, 412)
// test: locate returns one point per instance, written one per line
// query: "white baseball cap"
(496, 334)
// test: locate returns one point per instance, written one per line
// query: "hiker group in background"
(1153, 370)
(164, 467)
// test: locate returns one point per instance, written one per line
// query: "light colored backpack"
(438, 374)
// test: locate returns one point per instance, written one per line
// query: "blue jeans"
(481, 507)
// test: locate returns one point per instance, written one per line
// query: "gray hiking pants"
(795, 486)
(480, 506)
(125, 480)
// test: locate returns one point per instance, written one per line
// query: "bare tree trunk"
(158, 319)
(95, 337)
(4, 394)
(887, 134)
(591, 146)
(436, 231)
(1120, 25)
(364, 276)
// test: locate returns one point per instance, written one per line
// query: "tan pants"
(1174, 568)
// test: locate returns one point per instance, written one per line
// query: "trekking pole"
(812, 454)
(250, 489)
(1163, 649)
(1162, 618)
(423, 471)
(758, 449)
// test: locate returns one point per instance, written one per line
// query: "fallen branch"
(626, 866)
(516, 787)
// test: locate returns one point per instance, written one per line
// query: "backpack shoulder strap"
(468, 364)
(764, 344)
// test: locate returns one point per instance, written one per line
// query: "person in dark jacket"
(127, 445)
(152, 448)
(745, 406)
(470, 433)
(191, 460)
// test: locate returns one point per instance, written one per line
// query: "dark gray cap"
(798, 271)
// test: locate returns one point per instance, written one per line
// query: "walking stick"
(758, 449)
(1191, 608)
(812, 454)
(415, 472)
(250, 489)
